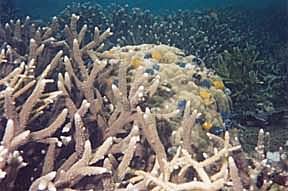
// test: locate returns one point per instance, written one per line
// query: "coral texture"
(76, 117)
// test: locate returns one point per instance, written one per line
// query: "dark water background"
(42, 9)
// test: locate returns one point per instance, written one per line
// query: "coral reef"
(239, 69)
(207, 34)
(203, 33)
(76, 116)
(7, 11)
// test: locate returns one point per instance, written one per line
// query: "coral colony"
(79, 115)
(225, 39)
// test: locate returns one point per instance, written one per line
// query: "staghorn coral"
(206, 34)
(7, 11)
(209, 31)
(101, 123)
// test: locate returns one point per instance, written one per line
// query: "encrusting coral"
(77, 117)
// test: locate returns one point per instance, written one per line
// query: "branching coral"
(104, 123)
(7, 10)
(206, 34)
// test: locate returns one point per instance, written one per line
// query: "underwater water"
(50, 8)
(128, 95)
